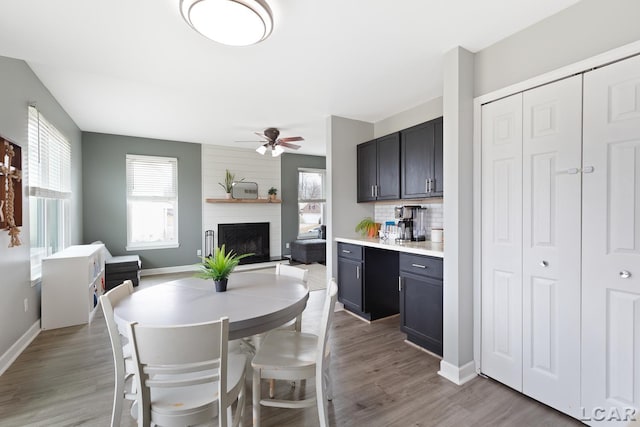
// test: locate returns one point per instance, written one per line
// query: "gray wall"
(105, 213)
(343, 211)
(411, 117)
(581, 31)
(19, 87)
(289, 181)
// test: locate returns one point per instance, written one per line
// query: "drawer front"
(347, 250)
(421, 265)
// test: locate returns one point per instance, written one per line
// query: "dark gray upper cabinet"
(421, 160)
(379, 169)
(367, 171)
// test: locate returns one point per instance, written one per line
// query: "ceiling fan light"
(230, 22)
(277, 151)
(262, 149)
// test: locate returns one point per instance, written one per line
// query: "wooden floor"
(65, 378)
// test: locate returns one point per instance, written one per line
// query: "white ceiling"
(134, 67)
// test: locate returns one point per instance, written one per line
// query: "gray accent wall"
(289, 193)
(105, 200)
(579, 32)
(20, 87)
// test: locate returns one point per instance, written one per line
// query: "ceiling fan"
(271, 140)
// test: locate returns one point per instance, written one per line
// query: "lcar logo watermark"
(598, 413)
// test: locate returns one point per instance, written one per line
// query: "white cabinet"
(72, 282)
(560, 251)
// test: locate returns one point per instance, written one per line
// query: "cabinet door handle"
(372, 191)
(418, 266)
(588, 169)
(624, 274)
(346, 251)
(399, 283)
(357, 271)
(426, 185)
(376, 187)
(433, 185)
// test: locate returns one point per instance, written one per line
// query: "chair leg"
(321, 401)
(326, 376)
(272, 388)
(256, 397)
(118, 396)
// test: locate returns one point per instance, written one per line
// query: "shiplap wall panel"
(253, 167)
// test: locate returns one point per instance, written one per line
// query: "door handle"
(588, 169)
(376, 187)
(372, 191)
(433, 185)
(399, 283)
(572, 171)
(418, 266)
(624, 274)
(357, 272)
(544, 263)
(346, 251)
(426, 185)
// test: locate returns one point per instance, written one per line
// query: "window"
(49, 189)
(311, 202)
(152, 202)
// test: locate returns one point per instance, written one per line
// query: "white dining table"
(255, 302)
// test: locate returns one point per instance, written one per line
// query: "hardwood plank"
(65, 377)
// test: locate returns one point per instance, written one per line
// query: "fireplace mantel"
(242, 201)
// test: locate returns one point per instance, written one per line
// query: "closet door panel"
(552, 132)
(611, 238)
(502, 241)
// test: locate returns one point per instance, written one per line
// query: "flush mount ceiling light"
(230, 22)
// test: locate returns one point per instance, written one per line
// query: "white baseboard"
(458, 374)
(168, 270)
(19, 346)
(195, 267)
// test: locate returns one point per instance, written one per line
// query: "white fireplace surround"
(247, 164)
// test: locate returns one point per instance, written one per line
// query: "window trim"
(143, 246)
(322, 200)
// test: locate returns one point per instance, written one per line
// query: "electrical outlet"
(286, 245)
(26, 305)
(199, 252)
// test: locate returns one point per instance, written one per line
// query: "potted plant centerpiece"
(229, 178)
(219, 266)
(273, 191)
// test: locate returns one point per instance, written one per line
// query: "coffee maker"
(406, 216)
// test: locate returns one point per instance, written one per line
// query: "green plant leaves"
(220, 265)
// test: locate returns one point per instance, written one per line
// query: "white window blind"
(152, 202)
(49, 179)
(152, 177)
(49, 159)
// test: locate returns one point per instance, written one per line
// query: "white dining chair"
(293, 355)
(301, 274)
(120, 348)
(296, 324)
(185, 375)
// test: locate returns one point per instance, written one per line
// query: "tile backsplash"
(384, 212)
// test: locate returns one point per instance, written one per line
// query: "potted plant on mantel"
(219, 266)
(229, 179)
(273, 192)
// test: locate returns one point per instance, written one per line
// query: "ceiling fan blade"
(291, 139)
(286, 144)
(262, 136)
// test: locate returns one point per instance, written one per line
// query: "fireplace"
(242, 238)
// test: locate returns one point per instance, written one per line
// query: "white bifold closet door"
(502, 240)
(531, 158)
(551, 194)
(611, 239)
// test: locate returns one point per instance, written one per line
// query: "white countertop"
(420, 248)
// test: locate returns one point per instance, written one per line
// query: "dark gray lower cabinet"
(367, 281)
(421, 300)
